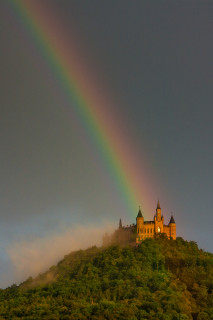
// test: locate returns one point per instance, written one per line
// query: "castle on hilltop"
(149, 229)
(135, 233)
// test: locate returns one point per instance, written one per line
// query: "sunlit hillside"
(159, 279)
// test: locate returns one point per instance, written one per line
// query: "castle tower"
(139, 225)
(158, 211)
(172, 227)
(158, 219)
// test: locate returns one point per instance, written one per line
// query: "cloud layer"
(31, 255)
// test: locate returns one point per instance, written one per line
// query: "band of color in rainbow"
(128, 173)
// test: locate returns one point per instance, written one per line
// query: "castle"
(135, 233)
(149, 229)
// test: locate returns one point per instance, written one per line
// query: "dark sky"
(155, 58)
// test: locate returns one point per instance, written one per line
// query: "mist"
(31, 256)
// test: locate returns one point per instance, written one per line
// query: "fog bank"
(32, 255)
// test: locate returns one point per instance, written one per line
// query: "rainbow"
(93, 109)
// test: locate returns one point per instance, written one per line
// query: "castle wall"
(146, 230)
(166, 231)
(173, 230)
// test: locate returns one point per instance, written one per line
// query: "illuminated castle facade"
(135, 233)
(149, 229)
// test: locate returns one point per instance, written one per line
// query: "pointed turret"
(140, 213)
(172, 227)
(139, 225)
(158, 205)
(172, 220)
(120, 224)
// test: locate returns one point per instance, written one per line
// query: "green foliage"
(159, 279)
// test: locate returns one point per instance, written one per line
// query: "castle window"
(144, 230)
(147, 230)
(150, 230)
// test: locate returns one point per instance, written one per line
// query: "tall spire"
(158, 205)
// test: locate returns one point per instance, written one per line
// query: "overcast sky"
(154, 58)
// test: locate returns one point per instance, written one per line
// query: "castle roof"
(172, 220)
(140, 213)
(148, 222)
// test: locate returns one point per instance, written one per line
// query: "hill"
(159, 279)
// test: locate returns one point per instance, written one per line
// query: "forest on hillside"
(160, 279)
